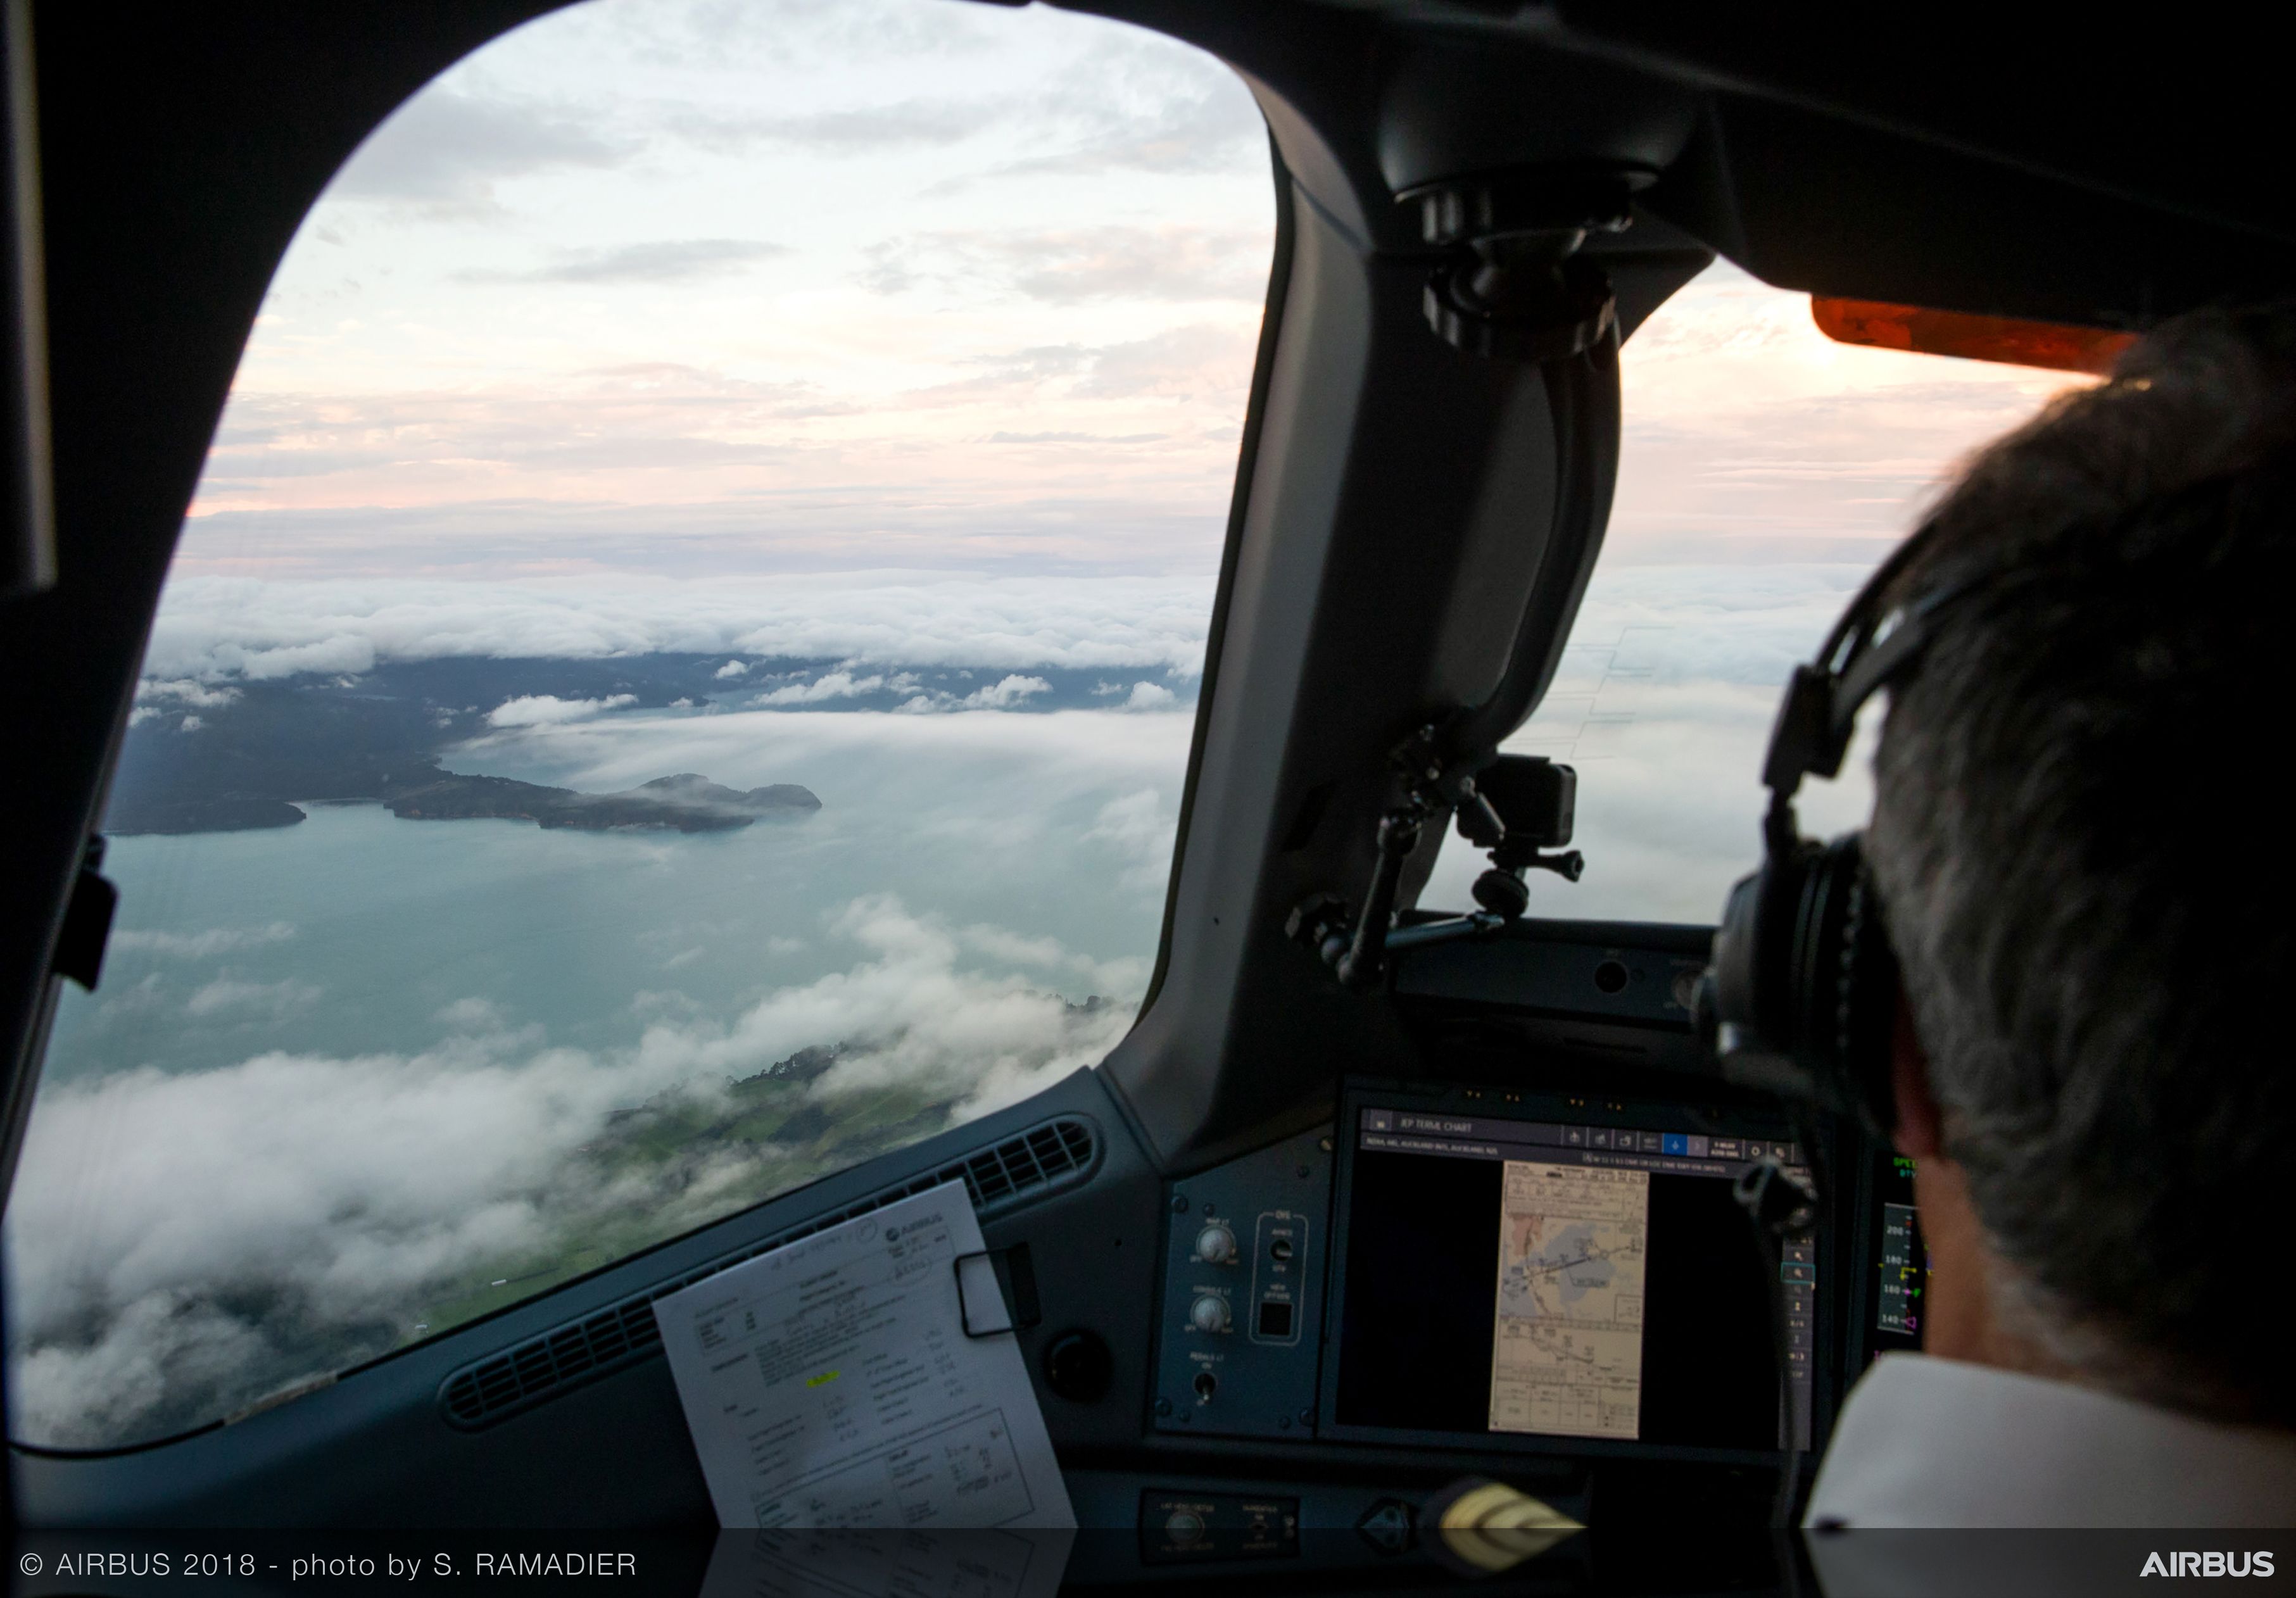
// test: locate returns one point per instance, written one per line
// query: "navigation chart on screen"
(1567, 1353)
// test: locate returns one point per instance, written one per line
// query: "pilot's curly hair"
(2087, 867)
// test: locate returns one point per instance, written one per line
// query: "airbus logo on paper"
(2207, 1564)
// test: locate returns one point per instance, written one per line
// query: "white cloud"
(227, 996)
(198, 946)
(154, 1209)
(1172, 260)
(848, 131)
(834, 685)
(986, 1040)
(732, 668)
(1004, 693)
(1074, 753)
(649, 261)
(444, 152)
(184, 691)
(1139, 829)
(1151, 696)
(548, 709)
(1119, 977)
(1150, 111)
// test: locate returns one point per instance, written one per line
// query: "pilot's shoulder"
(1929, 1442)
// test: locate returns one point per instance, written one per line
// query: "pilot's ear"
(1920, 1131)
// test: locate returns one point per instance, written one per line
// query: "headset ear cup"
(1804, 977)
(1754, 959)
(1777, 937)
(1725, 996)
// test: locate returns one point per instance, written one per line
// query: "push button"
(1388, 1526)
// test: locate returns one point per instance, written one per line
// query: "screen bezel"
(1590, 1110)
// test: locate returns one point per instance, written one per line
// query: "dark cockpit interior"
(1247, 1258)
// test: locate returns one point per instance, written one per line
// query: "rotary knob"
(1208, 1313)
(1216, 1245)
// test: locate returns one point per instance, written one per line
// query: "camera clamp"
(1515, 806)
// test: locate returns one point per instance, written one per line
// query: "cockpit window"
(1765, 472)
(677, 679)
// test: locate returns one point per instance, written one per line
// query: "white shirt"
(1925, 1441)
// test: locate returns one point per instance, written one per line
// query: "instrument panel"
(1241, 1331)
(1503, 1270)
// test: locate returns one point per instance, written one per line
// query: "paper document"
(833, 1382)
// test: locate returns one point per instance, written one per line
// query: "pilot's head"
(2089, 878)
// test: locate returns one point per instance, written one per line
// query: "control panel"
(1243, 1270)
(1185, 1525)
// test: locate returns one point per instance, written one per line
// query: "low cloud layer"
(182, 1244)
(212, 629)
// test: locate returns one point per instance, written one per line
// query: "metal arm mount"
(1356, 946)
(1398, 835)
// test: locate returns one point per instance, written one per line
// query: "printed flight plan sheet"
(832, 1383)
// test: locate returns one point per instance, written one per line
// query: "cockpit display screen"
(1557, 1271)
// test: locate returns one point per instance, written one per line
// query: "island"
(685, 803)
(250, 755)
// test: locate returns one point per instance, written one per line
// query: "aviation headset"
(1802, 993)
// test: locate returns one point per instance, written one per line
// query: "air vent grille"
(1027, 1166)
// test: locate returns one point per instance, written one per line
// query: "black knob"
(1079, 1366)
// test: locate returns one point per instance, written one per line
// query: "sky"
(700, 288)
(880, 334)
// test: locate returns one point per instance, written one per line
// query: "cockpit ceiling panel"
(2080, 183)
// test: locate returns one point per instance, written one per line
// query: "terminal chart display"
(1567, 1343)
(1509, 1275)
